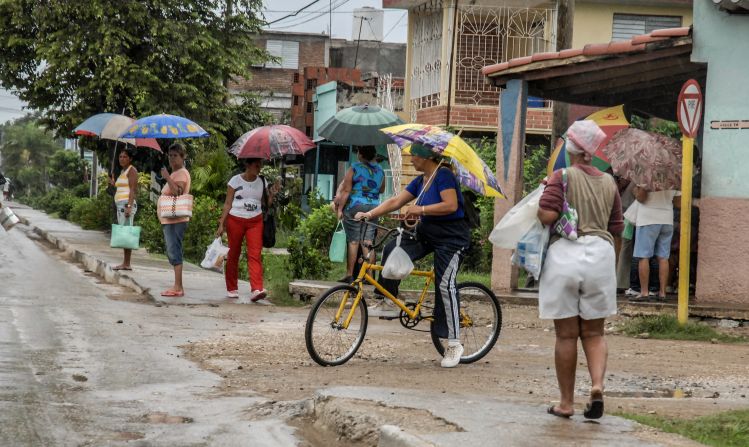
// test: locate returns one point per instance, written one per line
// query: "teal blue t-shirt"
(366, 184)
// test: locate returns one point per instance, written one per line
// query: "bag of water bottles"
(531, 249)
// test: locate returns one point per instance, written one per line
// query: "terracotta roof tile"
(495, 68)
(671, 32)
(637, 43)
(564, 54)
(545, 56)
(646, 38)
(595, 49)
(520, 61)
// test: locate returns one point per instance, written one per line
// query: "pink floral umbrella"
(270, 142)
(651, 160)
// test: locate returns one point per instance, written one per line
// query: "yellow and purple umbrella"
(472, 171)
(610, 121)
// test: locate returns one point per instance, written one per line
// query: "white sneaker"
(452, 356)
(258, 295)
(232, 294)
(630, 292)
(384, 308)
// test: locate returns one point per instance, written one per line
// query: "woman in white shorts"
(578, 281)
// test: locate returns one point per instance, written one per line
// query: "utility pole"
(356, 55)
(565, 19)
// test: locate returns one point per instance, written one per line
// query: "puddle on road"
(128, 436)
(655, 394)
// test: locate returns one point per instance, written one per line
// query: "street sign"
(689, 108)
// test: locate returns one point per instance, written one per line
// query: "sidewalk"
(151, 274)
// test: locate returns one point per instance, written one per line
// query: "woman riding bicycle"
(442, 230)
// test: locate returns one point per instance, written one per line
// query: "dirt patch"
(266, 353)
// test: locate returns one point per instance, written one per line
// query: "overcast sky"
(314, 19)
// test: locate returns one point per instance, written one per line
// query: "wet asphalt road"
(78, 368)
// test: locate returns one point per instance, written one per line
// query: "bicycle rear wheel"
(328, 342)
(480, 322)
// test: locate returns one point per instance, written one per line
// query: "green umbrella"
(359, 125)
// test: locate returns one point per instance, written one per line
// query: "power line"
(310, 19)
(294, 13)
(394, 26)
(334, 12)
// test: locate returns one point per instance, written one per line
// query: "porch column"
(510, 152)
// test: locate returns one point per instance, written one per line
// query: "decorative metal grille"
(385, 100)
(426, 63)
(490, 35)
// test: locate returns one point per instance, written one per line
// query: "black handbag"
(269, 219)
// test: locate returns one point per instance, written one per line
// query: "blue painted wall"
(722, 41)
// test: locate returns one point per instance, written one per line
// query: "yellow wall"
(594, 21)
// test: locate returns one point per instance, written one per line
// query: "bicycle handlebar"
(389, 232)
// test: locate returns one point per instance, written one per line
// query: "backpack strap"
(264, 200)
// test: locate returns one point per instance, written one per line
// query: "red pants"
(251, 230)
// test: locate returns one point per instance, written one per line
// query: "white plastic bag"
(631, 213)
(398, 264)
(517, 221)
(531, 249)
(215, 255)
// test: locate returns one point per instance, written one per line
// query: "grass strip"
(667, 327)
(727, 429)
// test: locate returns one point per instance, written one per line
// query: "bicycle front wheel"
(480, 322)
(328, 342)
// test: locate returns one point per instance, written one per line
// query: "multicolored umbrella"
(472, 171)
(269, 142)
(610, 121)
(164, 126)
(649, 159)
(110, 126)
(359, 125)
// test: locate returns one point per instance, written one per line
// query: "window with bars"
(287, 52)
(627, 26)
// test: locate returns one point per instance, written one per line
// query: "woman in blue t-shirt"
(359, 192)
(442, 230)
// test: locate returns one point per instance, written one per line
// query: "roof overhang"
(733, 6)
(645, 74)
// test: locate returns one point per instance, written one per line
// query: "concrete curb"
(97, 266)
(393, 436)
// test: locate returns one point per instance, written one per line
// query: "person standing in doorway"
(124, 197)
(653, 233)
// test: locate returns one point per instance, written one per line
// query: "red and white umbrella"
(270, 142)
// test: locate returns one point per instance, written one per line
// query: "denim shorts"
(121, 219)
(353, 227)
(173, 235)
(653, 240)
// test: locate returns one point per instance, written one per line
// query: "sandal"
(553, 411)
(173, 293)
(121, 267)
(594, 408)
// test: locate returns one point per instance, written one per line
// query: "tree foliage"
(66, 169)
(72, 59)
(26, 149)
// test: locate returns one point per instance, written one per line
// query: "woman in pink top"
(177, 183)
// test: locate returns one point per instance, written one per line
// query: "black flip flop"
(551, 410)
(593, 409)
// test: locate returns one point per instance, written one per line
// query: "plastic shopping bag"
(337, 250)
(631, 213)
(215, 255)
(125, 236)
(517, 221)
(531, 249)
(398, 264)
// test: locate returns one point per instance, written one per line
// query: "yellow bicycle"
(337, 322)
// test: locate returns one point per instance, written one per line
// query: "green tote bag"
(337, 251)
(125, 236)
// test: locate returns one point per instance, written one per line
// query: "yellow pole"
(686, 228)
